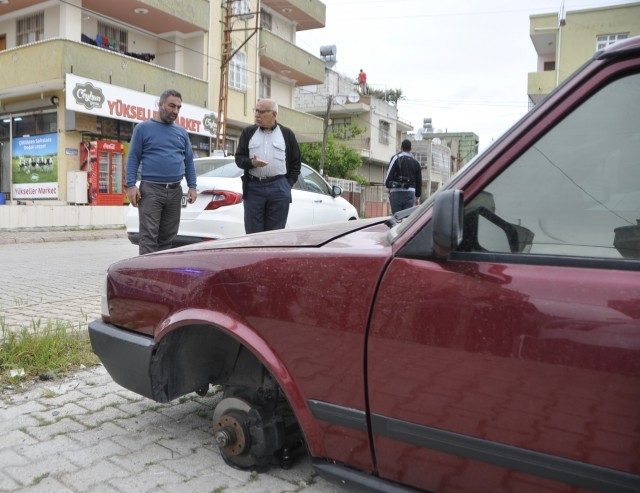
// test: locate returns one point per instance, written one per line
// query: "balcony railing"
(540, 84)
(283, 57)
(51, 59)
(307, 14)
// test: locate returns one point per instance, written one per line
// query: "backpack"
(400, 174)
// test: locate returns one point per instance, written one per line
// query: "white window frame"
(238, 72)
(604, 40)
(30, 28)
(265, 86)
(240, 8)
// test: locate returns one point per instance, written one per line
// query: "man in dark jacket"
(270, 157)
(404, 179)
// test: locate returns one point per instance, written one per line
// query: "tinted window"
(226, 170)
(313, 182)
(574, 192)
(204, 165)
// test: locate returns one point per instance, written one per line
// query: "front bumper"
(127, 356)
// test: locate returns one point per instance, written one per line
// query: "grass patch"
(54, 347)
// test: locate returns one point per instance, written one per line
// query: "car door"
(302, 206)
(514, 364)
(312, 201)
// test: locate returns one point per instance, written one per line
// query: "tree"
(390, 95)
(340, 160)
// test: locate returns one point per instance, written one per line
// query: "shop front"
(85, 127)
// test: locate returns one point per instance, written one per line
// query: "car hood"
(307, 236)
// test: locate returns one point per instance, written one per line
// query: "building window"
(338, 122)
(341, 127)
(117, 39)
(265, 86)
(30, 29)
(549, 66)
(265, 20)
(36, 124)
(607, 39)
(384, 130)
(241, 9)
(238, 75)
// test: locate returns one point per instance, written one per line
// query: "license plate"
(183, 202)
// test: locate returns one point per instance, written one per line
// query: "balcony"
(307, 14)
(283, 57)
(308, 128)
(540, 84)
(42, 66)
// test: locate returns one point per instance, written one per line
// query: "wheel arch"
(183, 362)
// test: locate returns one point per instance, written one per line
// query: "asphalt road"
(84, 432)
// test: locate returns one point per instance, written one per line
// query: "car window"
(204, 165)
(228, 170)
(311, 181)
(575, 192)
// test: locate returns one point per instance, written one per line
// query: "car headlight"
(104, 300)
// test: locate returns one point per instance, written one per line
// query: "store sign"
(101, 99)
(35, 167)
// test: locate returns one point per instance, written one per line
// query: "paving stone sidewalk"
(84, 432)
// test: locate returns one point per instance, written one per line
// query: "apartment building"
(266, 62)
(77, 75)
(81, 71)
(338, 102)
(564, 41)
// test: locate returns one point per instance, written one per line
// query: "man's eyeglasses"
(261, 112)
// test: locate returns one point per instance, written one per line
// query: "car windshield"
(227, 170)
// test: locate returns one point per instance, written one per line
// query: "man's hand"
(134, 196)
(192, 194)
(258, 163)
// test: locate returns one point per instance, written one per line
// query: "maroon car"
(488, 340)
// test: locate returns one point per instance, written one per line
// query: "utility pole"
(227, 55)
(340, 100)
(324, 134)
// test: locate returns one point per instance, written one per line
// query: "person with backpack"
(404, 179)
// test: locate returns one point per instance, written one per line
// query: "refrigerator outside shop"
(104, 162)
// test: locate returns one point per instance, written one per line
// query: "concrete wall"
(16, 217)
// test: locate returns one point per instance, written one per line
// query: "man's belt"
(163, 185)
(264, 179)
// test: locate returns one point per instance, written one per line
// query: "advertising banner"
(99, 98)
(35, 167)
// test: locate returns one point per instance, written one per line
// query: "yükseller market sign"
(101, 99)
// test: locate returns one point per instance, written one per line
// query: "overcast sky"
(462, 63)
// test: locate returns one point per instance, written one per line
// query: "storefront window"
(41, 123)
(115, 129)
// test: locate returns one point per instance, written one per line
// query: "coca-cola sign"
(88, 95)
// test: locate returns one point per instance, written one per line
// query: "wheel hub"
(230, 433)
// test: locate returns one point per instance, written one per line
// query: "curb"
(21, 237)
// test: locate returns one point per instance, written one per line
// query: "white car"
(218, 211)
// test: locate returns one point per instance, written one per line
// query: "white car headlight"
(104, 301)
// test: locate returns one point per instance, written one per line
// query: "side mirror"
(448, 209)
(336, 191)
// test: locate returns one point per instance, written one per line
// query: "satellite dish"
(340, 99)
(353, 97)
